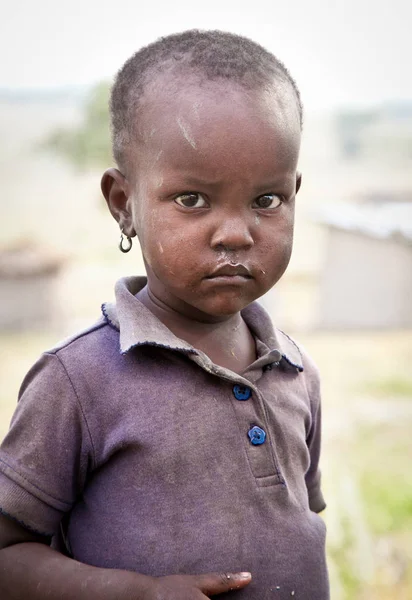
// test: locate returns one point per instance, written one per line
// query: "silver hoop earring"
(129, 243)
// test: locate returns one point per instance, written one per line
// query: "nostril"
(232, 239)
(226, 248)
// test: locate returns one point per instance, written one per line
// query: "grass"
(385, 477)
(369, 518)
(393, 386)
(367, 451)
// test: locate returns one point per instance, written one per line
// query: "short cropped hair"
(212, 54)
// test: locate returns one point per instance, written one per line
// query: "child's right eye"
(191, 200)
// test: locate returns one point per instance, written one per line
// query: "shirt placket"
(249, 408)
(257, 436)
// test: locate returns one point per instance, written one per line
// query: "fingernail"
(245, 575)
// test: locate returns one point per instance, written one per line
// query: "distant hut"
(366, 280)
(27, 287)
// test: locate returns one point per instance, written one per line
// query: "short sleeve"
(313, 440)
(45, 457)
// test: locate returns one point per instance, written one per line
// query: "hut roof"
(381, 220)
(28, 259)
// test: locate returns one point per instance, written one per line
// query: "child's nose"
(232, 234)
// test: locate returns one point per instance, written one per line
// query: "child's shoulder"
(309, 372)
(81, 352)
(293, 354)
(75, 363)
(297, 350)
(83, 336)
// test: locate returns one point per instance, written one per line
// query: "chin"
(224, 308)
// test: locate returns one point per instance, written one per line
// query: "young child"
(170, 451)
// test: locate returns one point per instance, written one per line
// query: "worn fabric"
(136, 445)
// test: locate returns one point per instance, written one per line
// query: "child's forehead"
(218, 133)
(165, 88)
(183, 118)
(188, 101)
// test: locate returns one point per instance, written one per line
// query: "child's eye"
(191, 200)
(267, 201)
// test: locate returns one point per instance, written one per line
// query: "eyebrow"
(199, 182)
(194, 182)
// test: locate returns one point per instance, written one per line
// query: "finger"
(212, 584)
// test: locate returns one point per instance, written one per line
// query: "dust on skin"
(196, 106)
(232, 352)
(185, 129)
(228, 257)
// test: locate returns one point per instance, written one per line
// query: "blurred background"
(347, 294)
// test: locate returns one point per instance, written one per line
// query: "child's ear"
(116, 190)
(298, 182)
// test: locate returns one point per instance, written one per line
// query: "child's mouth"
(230, 273)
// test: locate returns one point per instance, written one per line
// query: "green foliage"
(342, 557)
(389, 387)
(89, 144)
(385, 477)
(370, 504)
(388, 500)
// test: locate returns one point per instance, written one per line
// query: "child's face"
(212, 194)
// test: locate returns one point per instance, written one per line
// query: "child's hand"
(195, 587)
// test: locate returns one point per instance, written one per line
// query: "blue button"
(256, 435)
(242, 392)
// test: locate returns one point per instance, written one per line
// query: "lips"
(230, 270)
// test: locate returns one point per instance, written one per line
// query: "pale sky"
(339, 51)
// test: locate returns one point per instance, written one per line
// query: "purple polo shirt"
(149, 457)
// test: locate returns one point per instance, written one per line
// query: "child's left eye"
(267, 201)
(191, 200)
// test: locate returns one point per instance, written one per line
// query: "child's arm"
(31, 569)
(313, 476)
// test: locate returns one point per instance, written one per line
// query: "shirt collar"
(138, 326)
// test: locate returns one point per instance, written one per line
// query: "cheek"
(274, 255)
(278, 240)
(168, 250)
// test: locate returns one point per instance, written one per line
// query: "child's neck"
(227, 343)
